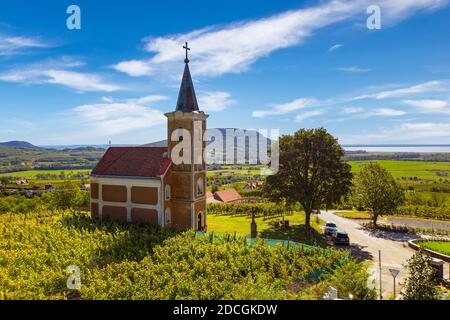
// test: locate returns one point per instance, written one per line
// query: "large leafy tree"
(421, 282)
(311, 171)
(376, 190)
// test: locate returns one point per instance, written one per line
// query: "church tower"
(186, 128)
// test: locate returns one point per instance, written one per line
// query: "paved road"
(366, 245)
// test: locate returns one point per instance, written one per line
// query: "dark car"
(330, 228)
(341, 237)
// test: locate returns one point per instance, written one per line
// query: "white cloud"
(429, 105)
(422, 132)
(351, 110)
(426, 87)
(11, 45)
(59, 72)
(335, 47)
(385, 112)
(307, 115)
(108, 119)
(284, 108)
(235, 47)
(353, 69)
(134, 68)
(215, 101)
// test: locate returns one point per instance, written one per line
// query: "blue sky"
(256, 64)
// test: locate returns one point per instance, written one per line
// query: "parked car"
(330, 228)
(341, 237)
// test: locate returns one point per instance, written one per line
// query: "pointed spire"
(187, 100)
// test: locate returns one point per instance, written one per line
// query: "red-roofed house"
(229, 195)
(145, 184)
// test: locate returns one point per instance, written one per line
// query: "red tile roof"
(145, 162)
(229, 195)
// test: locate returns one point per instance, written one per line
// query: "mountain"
(20, 145)
(245, 148)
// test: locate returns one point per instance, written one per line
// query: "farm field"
(410, 169)
(31, 174)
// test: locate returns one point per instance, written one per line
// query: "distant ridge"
(20, 145)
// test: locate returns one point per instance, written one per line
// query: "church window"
(167, 192)
(168, 217)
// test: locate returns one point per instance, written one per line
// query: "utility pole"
(379, 268)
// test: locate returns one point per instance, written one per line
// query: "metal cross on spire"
(187, 49)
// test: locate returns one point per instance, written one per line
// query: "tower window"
(200, 187)
(167, 192)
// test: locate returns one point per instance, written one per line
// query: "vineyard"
(143, 262)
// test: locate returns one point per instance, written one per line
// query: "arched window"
(167, 192)
(168, 217)
(200, 187)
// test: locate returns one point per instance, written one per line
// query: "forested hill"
(19, 145)
(21, 157)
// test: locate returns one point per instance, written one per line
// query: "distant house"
(229, 195)
(253, 185)
(22, 182)
(210, 198)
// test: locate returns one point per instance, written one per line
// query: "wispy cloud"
(335, 47)
(426, 87)
(385, 112)
(280, 109)
(235, 47)
(59, 72)
(429, 105)
(353, 69)
(351, 110)
(215, 101)
(309, 114)
(116, 117)
(415, 132)
(11, 45)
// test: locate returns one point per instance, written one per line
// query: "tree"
(421, 282)
(376, 190)
(65, 197)
(311, 171)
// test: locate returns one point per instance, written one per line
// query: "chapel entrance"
(200, 226)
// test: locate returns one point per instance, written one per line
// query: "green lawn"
(354, 214)
(31, 174)
(226, 224)
(438, 246)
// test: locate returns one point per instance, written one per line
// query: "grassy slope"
(241, 225)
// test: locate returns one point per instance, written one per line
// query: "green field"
(227, 224)
(438, 246)
(410, 169)
(31, 174)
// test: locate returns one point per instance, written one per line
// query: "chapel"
(163, 186)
